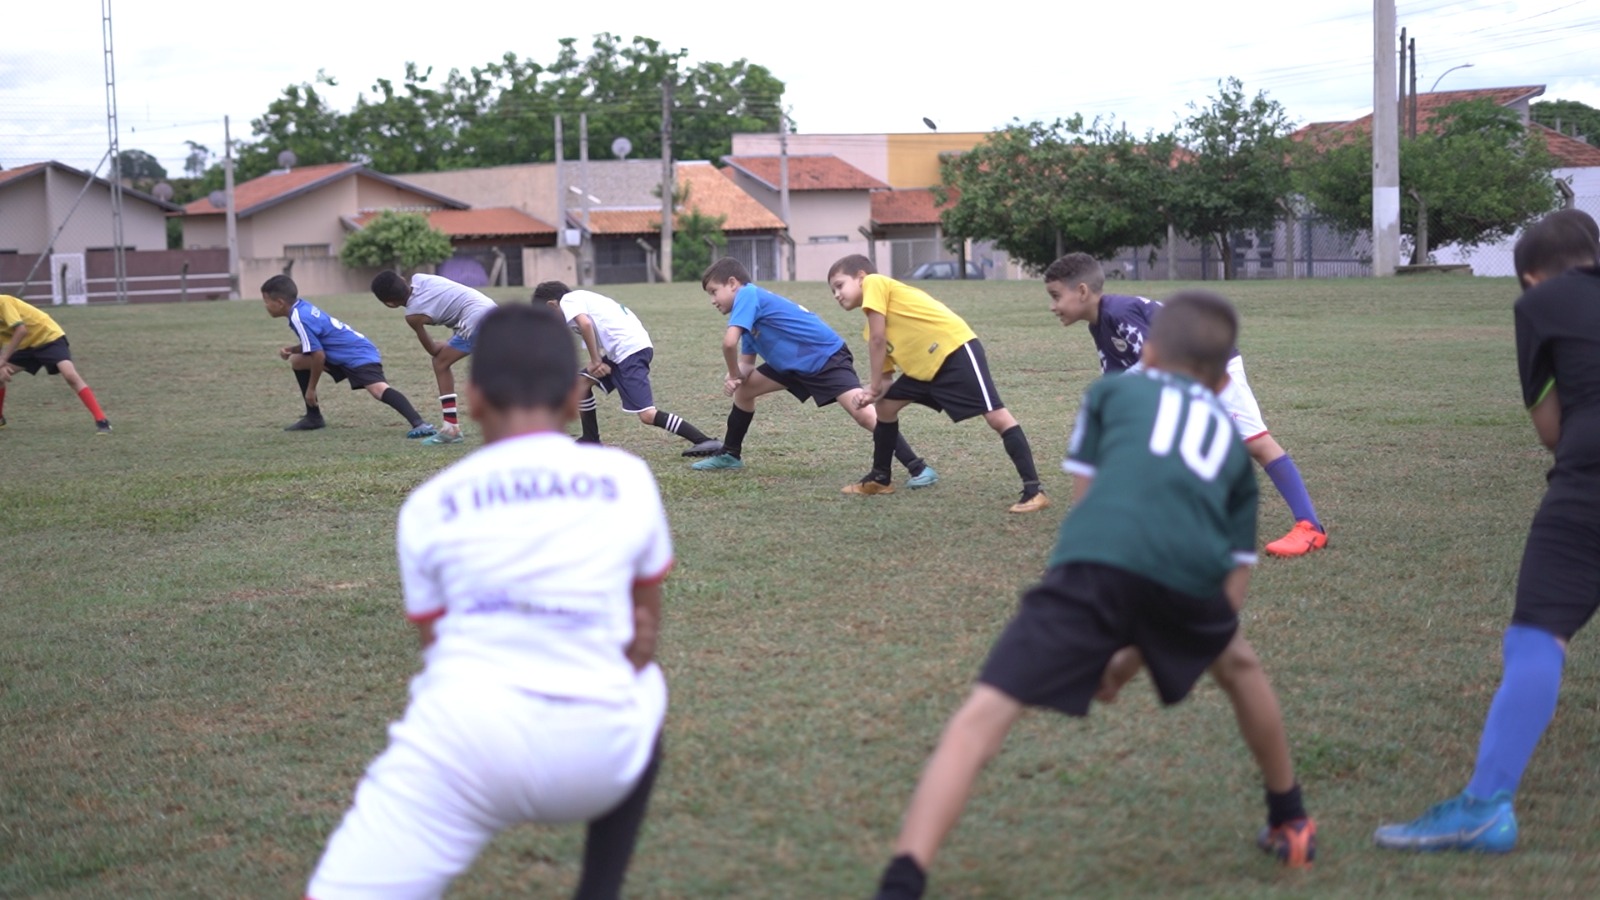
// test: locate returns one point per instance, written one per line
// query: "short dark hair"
(550, 290)
(852, 265)
(280, 287)
(724, 269)
(390, 287)
(1553, 245)
(1579, 218)
(523, 358)
(1196, 331)
(1077, 268)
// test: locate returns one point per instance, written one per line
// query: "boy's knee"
(1237, 662)
(648, 416)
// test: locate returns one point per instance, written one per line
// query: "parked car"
(945, 269)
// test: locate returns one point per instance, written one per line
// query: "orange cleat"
(1031, 504)
(1293, 843)
(1303, 538)
(868, 486)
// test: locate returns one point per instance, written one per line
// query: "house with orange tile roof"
(830, 205)
(296, 220)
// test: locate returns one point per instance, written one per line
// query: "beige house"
(897, 160)
(830, 206)
(37, 199)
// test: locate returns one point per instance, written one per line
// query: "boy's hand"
(872, 392)
(6, 371)
(433, 348)
(311, 397)
(285, 352)
(599, 369)
(731, 384)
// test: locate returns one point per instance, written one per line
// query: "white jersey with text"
(455, 306)
(527, 552)
(618, 331)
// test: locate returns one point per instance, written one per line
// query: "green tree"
(697, 239)
(1234, 171)
(1040, 190)
(194, 165)
(1569, 117)
(302, 121)
(396, 240)
(1476, 176)
(140, 167)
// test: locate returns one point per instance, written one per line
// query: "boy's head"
(550, 292)
(391, 289)
(1554, 244)
(1074, 283)
(845, 277)
(280, 294)
(523, 359)
(1580, 218)
(1194, 335)
(722, 280)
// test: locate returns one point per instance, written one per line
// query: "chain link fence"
(1494, 260)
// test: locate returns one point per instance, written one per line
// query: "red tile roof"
(1428, 106)
(21, 171)
(275, 187)
(914, 206)
(1571, 152)
(807, 173)
(479, 223)
(709, 191)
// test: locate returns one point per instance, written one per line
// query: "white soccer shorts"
(469, 760)
(1240, 402)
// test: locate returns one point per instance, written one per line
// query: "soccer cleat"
(1293, 843)
(1303, 538)
(1461, 823)
(445, 435)
(709, 447)
(2, 421)
(1031, 504)
(422, 431)
(927, 477)
(307, 423)
(868, 486)
(720, 461)
(103, 426)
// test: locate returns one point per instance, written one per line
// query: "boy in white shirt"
(432, 300)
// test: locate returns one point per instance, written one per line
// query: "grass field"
(201, 641)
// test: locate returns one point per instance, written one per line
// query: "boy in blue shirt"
(799, 353)
(325, 344)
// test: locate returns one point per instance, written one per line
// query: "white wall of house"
(1495, 259)
(32, 210)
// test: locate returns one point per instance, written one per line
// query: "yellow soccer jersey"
(41, 328)
(920, 330)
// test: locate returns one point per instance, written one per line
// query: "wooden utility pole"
(668, 183)
(586, 257)
(231, 212)
(1412, 130)
(783, 181)
(1385, 143)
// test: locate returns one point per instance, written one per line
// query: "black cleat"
(307, 423)
(709, 447)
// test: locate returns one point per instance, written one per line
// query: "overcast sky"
(855, 67)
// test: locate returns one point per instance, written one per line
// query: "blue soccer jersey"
(1120, 331)
(342, 345)
(789, 337)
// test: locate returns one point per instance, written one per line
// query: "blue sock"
(1522, 709)
(1286, 478)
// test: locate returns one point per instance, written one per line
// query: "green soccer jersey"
(1173, 497)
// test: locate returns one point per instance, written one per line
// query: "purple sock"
(1521, 710)
(1286, 478)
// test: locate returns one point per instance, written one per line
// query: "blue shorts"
(630, 379)
(461, 342)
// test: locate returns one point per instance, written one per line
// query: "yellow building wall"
(914, 158)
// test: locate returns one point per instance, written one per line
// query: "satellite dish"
(621, 147)
(286, 159)
(162, 192)
(929, 122)
(219, 199)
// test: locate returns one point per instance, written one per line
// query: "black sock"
(589, 418)
(401, 405)
(678, 427)
(304, 377)
(884, 438)
(902, 880)
(1022, 457)
(1285, 807)
(738, 426)
(608, 845)
(902, 451)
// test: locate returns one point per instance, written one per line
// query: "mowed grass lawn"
(201, 639)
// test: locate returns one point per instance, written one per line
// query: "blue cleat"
(422, 431)
(1461, 823)
(927, 477)
(720, 461)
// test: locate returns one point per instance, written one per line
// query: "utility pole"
(1412, 131)
(585, 258)
(783, 181)
(118, 252)
(668, 183)
(1385, 143)
(231, 214)
(1401, 111)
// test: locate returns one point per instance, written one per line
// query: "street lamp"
(1447, 72)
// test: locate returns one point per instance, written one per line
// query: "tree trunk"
(1226, 253)
(1419, 252)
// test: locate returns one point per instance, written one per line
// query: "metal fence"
(1495, 259)
(1294, 248)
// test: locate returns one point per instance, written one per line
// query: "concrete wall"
(25, 217)
(899, 160)
(548, 264)
(314, 277)
(530, 188)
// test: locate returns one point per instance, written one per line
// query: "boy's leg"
(609, 843)
(1240, 402)
(1124, 664)
(312, 420)
(1017, 447)
(702, 445)
(388, 396)
(69, 372)
(970, 740)
(867, 417)
(588, 418)
(885, 437)
(448, 355)
(740, 416)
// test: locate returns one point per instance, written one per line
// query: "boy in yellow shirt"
(31, 340)
(942, 366)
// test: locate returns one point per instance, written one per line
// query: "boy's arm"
(1235, 585)
(1546, 415)
(877, 356)
(731, 340)
(18, 332)
(646, 623)
(419, 324)
(591, 342)
(318, 361)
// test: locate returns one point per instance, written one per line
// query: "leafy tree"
(194, 165)
(1476, 176)
(693, 236)
(1569, 115)
(1234, 172)
(302, 121)
(1039, 190)
(139, 166)
(396, 240)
